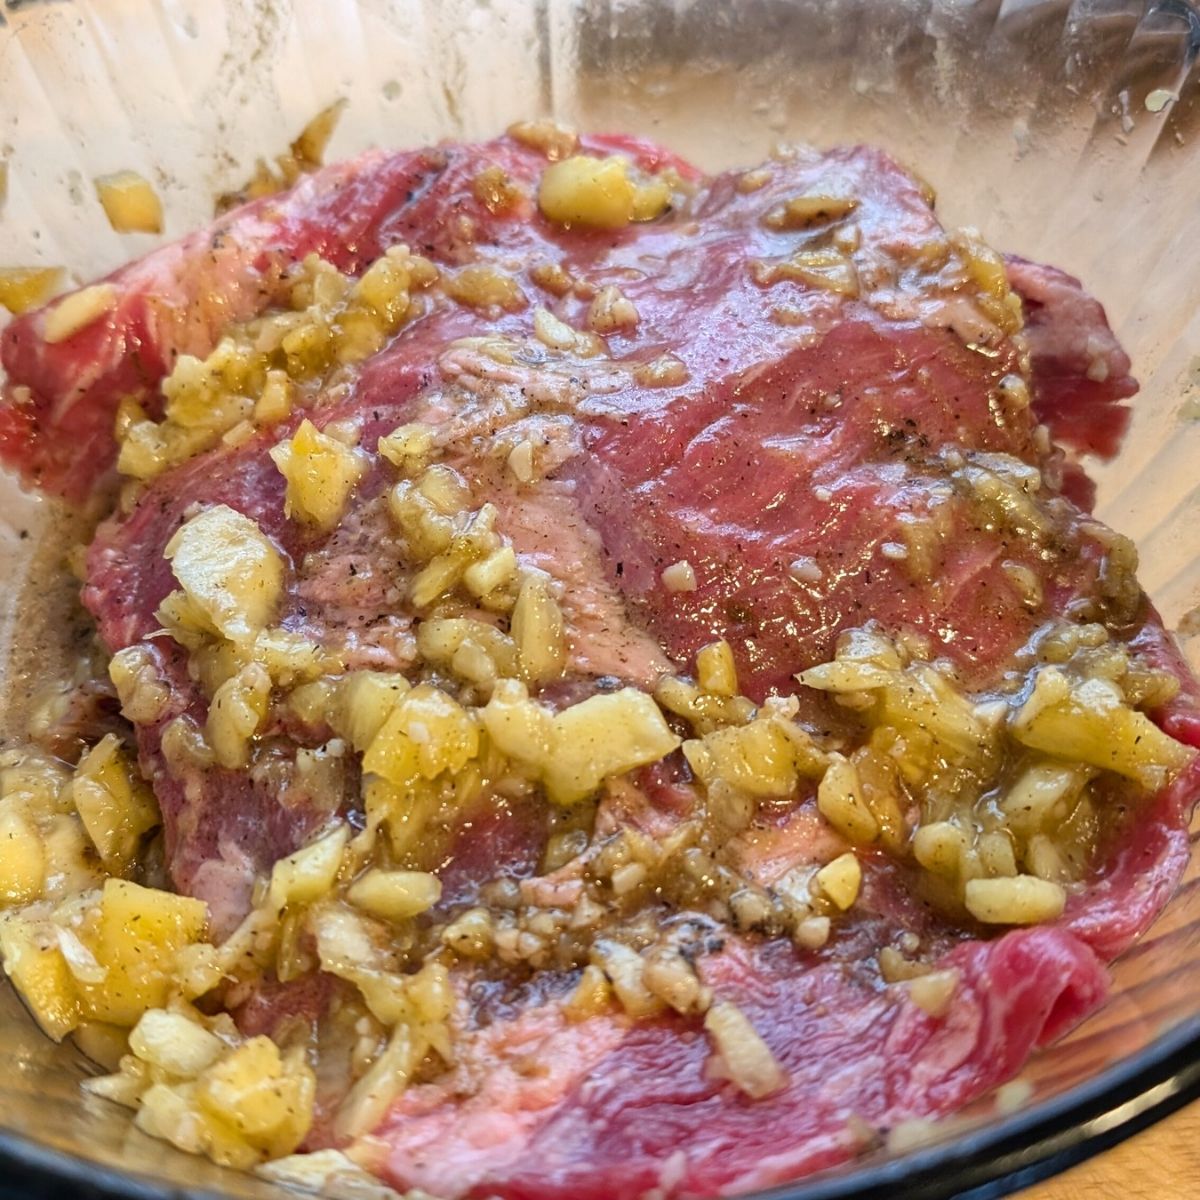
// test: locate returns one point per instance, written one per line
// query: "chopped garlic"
(1022, 900)
(679, 577)
(321, 472)
(747, 1060)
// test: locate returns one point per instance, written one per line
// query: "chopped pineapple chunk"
(747, 1060)
(321, 472)
(1090, 722)
(1021, 900)
(137, 936)
(174, 1043)
(365, 700)
(425, 734)
(267, 1100)
(238, 708)
(603, 736)
(538, 630)
(841, 802)
(130, 203)
(763, 758)
(574, 751)
(34, 962)
(116, 806)
(22, 859)
(231, 574)
(310, 872)
(841, 879)
(23, 288)
(409, 447)
(716, 671)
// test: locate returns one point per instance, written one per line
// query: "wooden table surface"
(1162, 1163)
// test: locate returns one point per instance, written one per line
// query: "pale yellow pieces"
(130, 202)
(746, 1059)
(90, 968)
(230, 572)
(573, 751)
(599, 193)
(321, 472)
(23, 288)
(115, 805)
(78, 310)
(1091, 723)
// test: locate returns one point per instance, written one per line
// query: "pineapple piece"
(485, 286)
(1090, 722)
(137, 936)
(291, 658)
(1042, 796)
(238, 708)
(70, 865)
(34, 962)
(369, 1099)
(405, 811)
(518, 726)
(35, 779)
(605, 735)
(409, 447)
(266, 1099)
(624, 968)
(842, 803)
(23, 288)
(274, 402)
(310, 872)
(395, 895)
(231, 574)
(321, 472)
(591, 997)
(716, 671)
(425, 734)
(841, 879)
(574, 751)
(475, 650)
(135, 674)
(923, 698)
(365, 699)
(115, 805)
(22, 858)
(174, 1043)
(490, 574)
(538, 629)
(130, 203)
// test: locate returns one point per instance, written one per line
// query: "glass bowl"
(1064, 130)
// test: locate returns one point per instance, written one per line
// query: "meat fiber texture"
(808, 426)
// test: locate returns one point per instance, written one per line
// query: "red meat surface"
(810, 427)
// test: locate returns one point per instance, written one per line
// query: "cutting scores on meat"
(776, 421)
